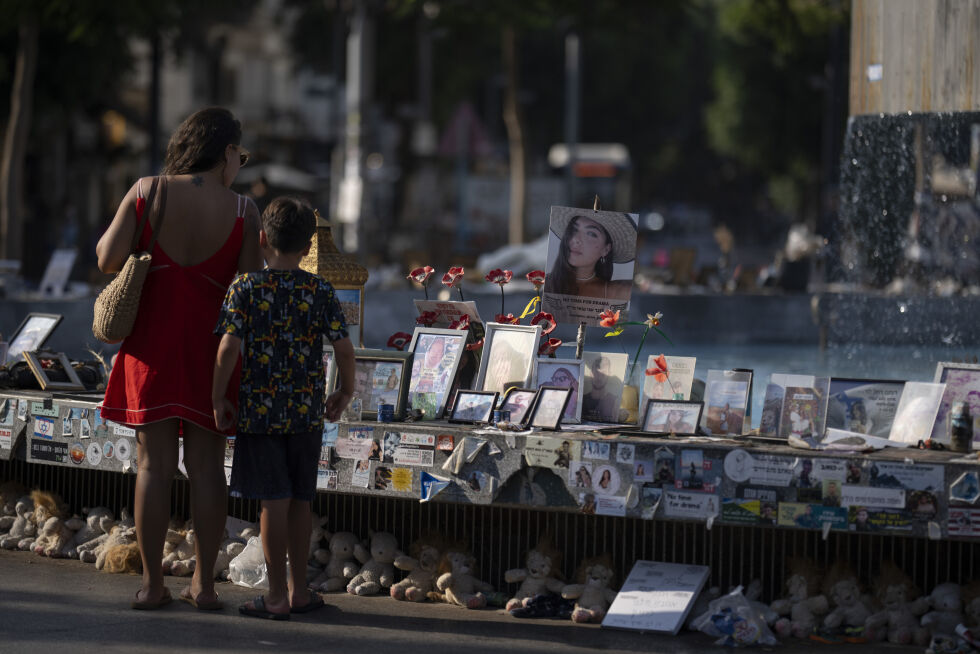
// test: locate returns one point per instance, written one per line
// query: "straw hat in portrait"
(621, 228)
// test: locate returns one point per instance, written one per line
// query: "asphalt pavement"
(58, 605)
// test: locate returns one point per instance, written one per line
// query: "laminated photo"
(690, 469)
(863, 406)
(677, 385)
(603, 387)
(726, 399)
(962, 385)
(916, 413)
(804, 411)
(580, 475)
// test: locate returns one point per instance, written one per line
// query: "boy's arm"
(224, 366)
(337, 401)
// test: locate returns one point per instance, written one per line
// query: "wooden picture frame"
(549, 407)
(43, 374)
(431, 381)
(473, 407)
(551, 372)
(690, 415)
(31, 335)
(519, 402)
(509, 357)
(374, 380)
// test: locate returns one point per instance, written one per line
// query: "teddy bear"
(850, 611)
(421, 567)
(119, 535)
(541, 575)
(898, 620)
(457, 583)
(176, 547)
(23, 528)
(342, 565)
(10, 493)
(54, 538)
(803, 604)
(592, 591)
(98, 521)
(186, 562)
(378, 569)
(229, 549)
(945, 600)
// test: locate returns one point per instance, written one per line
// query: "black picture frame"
(690, 408)
(31, 335)
(548, 421)
(366, 363)
(461, 414)
(508, 403)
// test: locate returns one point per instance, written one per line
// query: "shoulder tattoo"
(197, 180)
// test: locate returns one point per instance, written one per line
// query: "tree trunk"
(15, 142)
(515, 138)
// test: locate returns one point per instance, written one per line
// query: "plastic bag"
(733, 620)
(248, 568)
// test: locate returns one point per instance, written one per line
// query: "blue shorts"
(276, 466)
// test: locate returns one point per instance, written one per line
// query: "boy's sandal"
(315, 602)
(199, 604)
(149, 605)
(258, 610)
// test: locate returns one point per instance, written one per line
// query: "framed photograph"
(549, 407)
(602, 392)
(518, 401)
(509, 355)
(962, 385)
(563, 373)
(381, 376)
(473, 406)
(726, 401)
(671, 417)
(351, 300)
(916, 412)
(53, 371)
(31, 335)
(437, 353)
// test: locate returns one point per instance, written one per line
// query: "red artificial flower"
(507, 319)
(462, 324)
(453, 276)
(548, 347)
(536, 277)
(427, 318)
(659, 370)
(475, 346)
(399, 340)
(422, 274)
(608, 318)
(548, 320)
(498, 276)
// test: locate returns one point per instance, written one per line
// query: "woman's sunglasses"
(243, 156)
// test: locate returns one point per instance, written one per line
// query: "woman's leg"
(156, 451)
(204, 458)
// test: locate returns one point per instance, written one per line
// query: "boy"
(281, 314)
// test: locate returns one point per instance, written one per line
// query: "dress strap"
(241, 206)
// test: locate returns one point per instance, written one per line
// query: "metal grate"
(501, 535)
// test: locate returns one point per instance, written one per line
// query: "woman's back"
(198, 218)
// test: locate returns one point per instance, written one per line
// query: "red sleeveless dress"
(165, 366)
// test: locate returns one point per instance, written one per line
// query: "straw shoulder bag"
(117, 304)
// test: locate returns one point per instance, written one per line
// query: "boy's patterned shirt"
(281, 317)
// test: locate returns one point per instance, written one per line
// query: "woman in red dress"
(161, 381)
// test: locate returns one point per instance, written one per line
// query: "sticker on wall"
(76, 453)
(8, 407)
(431, 485)
(614, 506)
(650, 497)
(595, 450)
(93, 454)
(965, 489)
(123, 449)
(663, 465)
(22, 410)
(642, 470)
(580, 475)
(625, 453)
(401, 480)
(122, 430)
(605, 480)
(37, 409)
(360, 476)
(6, 438)
(444, 442)
(44, 428)
(66, 426)
(738, 465)
(326, 479)
(108, 449)
(84, 429)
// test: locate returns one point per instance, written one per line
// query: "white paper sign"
(415, 450)
(885, 498)
(656, 596)
(696, 506)
(615, 506)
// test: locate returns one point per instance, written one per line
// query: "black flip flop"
(316, 602)
(258, 610)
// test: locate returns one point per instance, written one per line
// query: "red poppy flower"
(506, 318)
(548, 321)
(475, 346)
(498, 276)
(536, 277)
(421, 275)
(608, 318)
(399, 340)
(548, 347)
(453, 276)
(462, 324)
(427, 318)
(659, 370)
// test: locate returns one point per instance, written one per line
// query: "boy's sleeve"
(334, 321)
(233, 315)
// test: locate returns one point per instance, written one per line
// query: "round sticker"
(107, 449)
(76, 453)
(122, 449)
(605, 480)
(738, 465)
(94, 454)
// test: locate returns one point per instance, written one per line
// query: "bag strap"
(158, 182)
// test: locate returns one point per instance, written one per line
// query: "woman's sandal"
(149, 605)
(258, 610)
(199, 604)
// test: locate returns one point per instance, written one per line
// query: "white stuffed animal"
(177, 547)
(421, 572)
(54, 538)
(947, 610)
(850, 613)
(593, 593)
(98, 521)
(378, 569)
(538, 577)
(23, 528)
(458, 582)
(118, 536)
(342, 566)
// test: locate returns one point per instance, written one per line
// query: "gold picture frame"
(43, 374)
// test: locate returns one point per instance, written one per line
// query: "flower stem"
(501, 299)
(460, 289)
(425, 287)
(638, 350)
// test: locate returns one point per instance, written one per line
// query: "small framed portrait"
(438, 353)
(962, 385)
(518, 401)
(509, 355)
(381, 376)
(549, 406)
(563, 373)
(30, 335)
(473, 406)
(53, 371)
(672, 417)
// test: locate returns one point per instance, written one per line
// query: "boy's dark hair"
(289, 224)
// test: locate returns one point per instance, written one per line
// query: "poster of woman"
(591, 255)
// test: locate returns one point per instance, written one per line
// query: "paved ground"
(49, 605)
